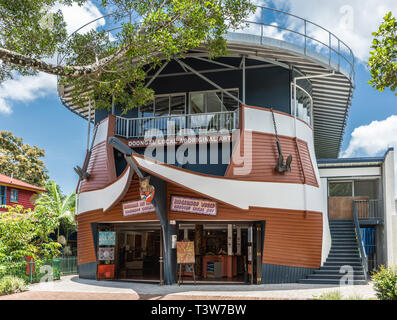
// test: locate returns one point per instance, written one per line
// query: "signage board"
(169, 141)
(193, 205)
(135, 207)
(107, 238)
(106, 254)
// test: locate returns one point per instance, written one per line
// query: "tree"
(102, 67)
(55, 204)
(20, 160)
(383, 59)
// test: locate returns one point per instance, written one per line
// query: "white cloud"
(25, 89)
(352, 21)
(374, 139)
(76, 16)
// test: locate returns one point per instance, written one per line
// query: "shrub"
(10, 284)
(385, 283)
(333, 295)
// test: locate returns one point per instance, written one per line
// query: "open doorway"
(138, 252)
(221, 251)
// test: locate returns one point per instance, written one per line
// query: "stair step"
(329, 281)
(336, 271)
(332, 276)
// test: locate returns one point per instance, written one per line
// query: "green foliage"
(11, 284)
(383, 59)
(21, 160)
(26, 233)
(99, 68)
(56, 209)
(385, 283)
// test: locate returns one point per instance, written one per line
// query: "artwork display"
(185, 252)
(107, 238)
(106, 254)
(193, 205)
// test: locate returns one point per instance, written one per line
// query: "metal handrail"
(363, 255)
(306, 23)
(263, 23)
(135, 127)
(368, 209)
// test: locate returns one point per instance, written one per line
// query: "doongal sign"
(192, 205)
(179, 140)
(131, 208)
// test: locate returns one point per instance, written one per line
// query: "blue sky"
(31, 109)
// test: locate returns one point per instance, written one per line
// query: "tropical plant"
(102, 66)
(58, 208)
(385, 283)
(21, 161)
(383, 59)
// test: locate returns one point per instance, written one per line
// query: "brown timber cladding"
(292, 238)
(85, 243)
(263, 152)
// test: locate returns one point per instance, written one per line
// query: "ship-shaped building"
(239, 155)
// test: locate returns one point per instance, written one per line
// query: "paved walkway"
(71, 287)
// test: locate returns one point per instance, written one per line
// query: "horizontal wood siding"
(85, 243)
(264, 155)
(26, 198)
(98, 168)
(292, 238)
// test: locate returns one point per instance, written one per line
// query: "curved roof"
(292, 42)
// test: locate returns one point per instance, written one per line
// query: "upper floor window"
(3, 195)
(14, 195)
(304, 104)
(164, 105)
(213, 101)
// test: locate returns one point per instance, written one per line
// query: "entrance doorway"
(224, 252)
(138, 252)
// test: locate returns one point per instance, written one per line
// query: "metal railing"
(363, 255)
(187, 124)
(290, 28)
(304, 33)
(33, 272)
(369, 209)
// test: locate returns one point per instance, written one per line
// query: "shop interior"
(221, 252)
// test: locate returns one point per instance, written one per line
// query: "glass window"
(303, 106)
(177, 105)
(366, 188)
(230, 104)
(340, 189)
(2, 195)
(146, 111)
(162, 106)
(197, 102)
(14, 195)
(214, 102)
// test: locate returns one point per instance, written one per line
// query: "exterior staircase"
(344, 251)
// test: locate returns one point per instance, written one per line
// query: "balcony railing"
(187, 124)
(369, 209)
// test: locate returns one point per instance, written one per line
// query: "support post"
(89, 125)
(243, 62)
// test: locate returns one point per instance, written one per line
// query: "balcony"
(369, 212)
(182, 125)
